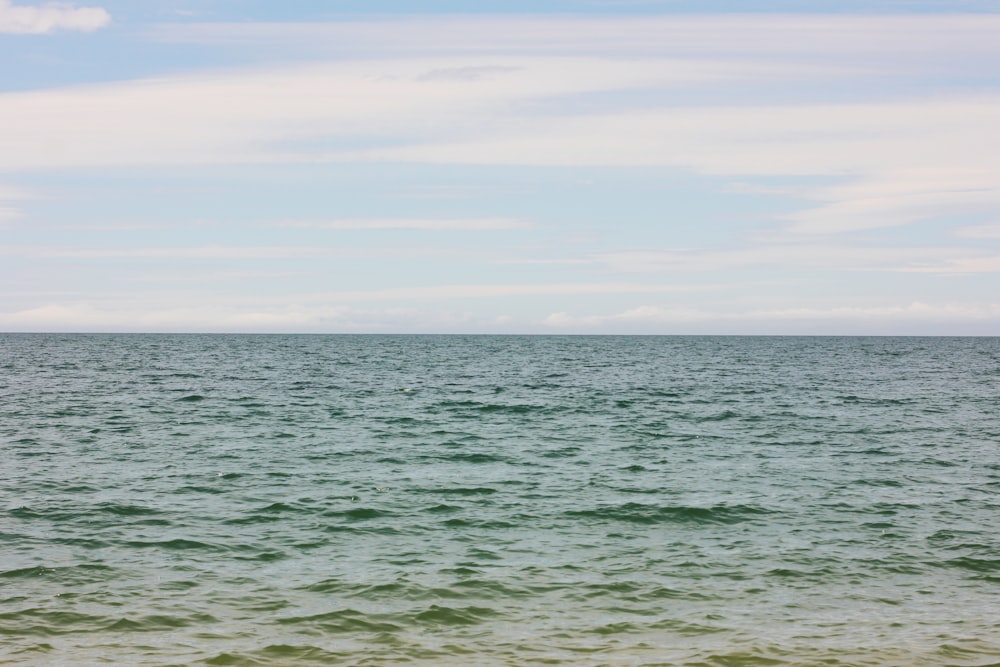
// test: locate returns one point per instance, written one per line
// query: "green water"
(453, 500)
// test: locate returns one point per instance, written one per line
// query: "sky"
(814, 167)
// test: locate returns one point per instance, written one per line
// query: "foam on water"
(372, 500)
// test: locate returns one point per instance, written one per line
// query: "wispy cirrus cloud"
(212, 253)
(418, 224)
(563, 91)
(852, 37)
(50, 17)
(899, 162)
(9, 195)
(795, 256)
(318, 111)
(986, 231)
(446, 292)
(9, 192)
(899, 196)
(8, 214)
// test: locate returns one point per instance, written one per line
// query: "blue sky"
(568, 166)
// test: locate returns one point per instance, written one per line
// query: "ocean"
(499, 500)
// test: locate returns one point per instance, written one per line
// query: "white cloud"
(987, 231)
(902, 161)
(91, 317)
(169, 253)
(775, 319)
(853, 36)
(310, 112)
(213, 277)
(9, 214)
(13, 192)
(250, 318)
(26, 20)
(989, 264)
(428, 224)
(905, 161)
(449, 292)
(898, 197)
(9, 194)
(214, 310)
(801, 256)
(298, 316)
(216, 253)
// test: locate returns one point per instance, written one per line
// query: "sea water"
(507, 500)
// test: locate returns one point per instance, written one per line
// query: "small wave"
(819, 573)
(864, 400)
(192, 398)
(485, 524)
(202, 489)
(332, 586)
(282, 654)
(72, 574)
(26, 572)
(358, 513)
(971, 652)
(265, 557)
(475, 457)
(477, 406)
(346, 620)
(488, 588)
(878, 482)
(126, 510)
(280, 508)
(403, 421)
(438, 615)
(460, 490)
(394, 590)
(173, 545)
(721, 416)
(441, 508)
(939, 462)
(79, 488)
(660, 393)
(37, 622)
(978, 565)
(563, 453)
(604, 590)
(617, 628)
(85, 542)
(949, 536)
(696, 629)
(654, 514)
(160, 623)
